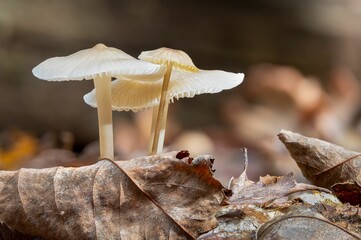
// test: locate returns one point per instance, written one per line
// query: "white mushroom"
(99, 63)
(183, 79)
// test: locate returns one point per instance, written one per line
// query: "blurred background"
(302, 61)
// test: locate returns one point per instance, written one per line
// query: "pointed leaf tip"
(321, 162)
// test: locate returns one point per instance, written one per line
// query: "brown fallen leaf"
(236, 185)
(155, 197)
(244, 221)
(266, 190)
(270, 188)
(348, 192)
(303, 224)
(9, 234)
(253, 204)
(323, 163)
(344, 215)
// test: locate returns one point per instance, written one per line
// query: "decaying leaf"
(236, 185)
(344, 215)
(155, 197)
(9, 234)
(348, 192)
(323, 163)
(245, 220)
(268, 189)
(303, 224)
(253, 204)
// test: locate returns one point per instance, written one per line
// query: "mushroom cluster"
(155, 80)
(100, 64)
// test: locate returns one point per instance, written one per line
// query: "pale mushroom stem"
(162, 128)
(152, 129)
(103, 89)
(159, 131)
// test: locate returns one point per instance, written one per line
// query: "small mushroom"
(99, 63)
(183, 79)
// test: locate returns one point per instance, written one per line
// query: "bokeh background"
(302, 61)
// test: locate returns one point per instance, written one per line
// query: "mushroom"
(99, 63)
(182, 79)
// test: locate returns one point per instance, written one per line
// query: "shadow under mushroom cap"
(139, 95)
(130, 95)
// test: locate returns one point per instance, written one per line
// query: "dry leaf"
(238, 222)
(236, 185)
(9, 234)
(243, 221)
(348, 192)
(303, 224)
(323, 163)
(156, 197)
(268, 189)
(344, 215)
(281, 208)
(253, 204)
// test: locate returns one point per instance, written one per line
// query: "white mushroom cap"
(188, 84)
(193, 81)
(97, 61)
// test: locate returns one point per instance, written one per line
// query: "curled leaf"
(146, 198)
(321, 162)
(349, 192)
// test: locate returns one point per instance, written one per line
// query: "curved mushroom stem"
(103, 88)
(159, 131)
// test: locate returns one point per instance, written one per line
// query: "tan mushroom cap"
(96, 62)
(179, 59)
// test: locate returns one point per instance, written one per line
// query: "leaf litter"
(174, 196)
(152, 197)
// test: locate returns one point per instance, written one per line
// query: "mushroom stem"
(159, 131)
(151, 136)
(162, 128)
(103, 88)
